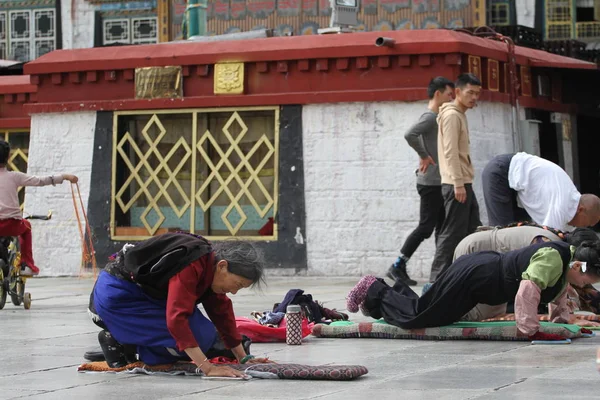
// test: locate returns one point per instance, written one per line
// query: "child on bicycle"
(11, 218)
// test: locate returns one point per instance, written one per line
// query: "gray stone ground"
(42, 347)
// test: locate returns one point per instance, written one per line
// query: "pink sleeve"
(526, 306)
(559, 310)
(22, 179)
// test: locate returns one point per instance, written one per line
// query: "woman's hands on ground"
(260, 361)
(583, 322)
(224, 371)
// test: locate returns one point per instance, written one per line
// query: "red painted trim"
(434, 41)
(411, 94)
(303, 65)
(282, 66)
(383, 62)
(342, 64)
(406, 95)
(262, 67)
(15, 123)
(404, 60)
(16, 84)
(424, 60)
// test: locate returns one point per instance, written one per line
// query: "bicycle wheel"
(3, 290)
(27, 301)
(17, 297)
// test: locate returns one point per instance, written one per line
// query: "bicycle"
(11, 281)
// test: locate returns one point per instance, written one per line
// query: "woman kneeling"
(146, 301)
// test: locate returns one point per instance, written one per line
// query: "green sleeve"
(545, 268)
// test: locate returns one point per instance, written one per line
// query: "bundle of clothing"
(312, 310)
(270, 326)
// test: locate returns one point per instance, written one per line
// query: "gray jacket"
(422, 137)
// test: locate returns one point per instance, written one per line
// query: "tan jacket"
(453, 146)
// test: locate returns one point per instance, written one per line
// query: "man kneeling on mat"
(146, 301)
(535, 274)
(503, 239)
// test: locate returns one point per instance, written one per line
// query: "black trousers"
(471, 280)
(461, 220)
(500, 199)
(431, 217)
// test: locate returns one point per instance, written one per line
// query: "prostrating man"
(521, 187)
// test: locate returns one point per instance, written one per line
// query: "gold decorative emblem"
(229, 78)
(158, 83)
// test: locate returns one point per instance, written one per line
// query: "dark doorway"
(589, 161)
(548, 139)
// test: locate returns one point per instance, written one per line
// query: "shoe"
(113, 351)
(397, 272)
(94, 355)
(98, 355)
(130, 353)
(218, 348)
(26, 270)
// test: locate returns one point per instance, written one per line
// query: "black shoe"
(397, 272)
(218, 348)
(98, 355)
(130, 353)
(113, 351)
(94, 355)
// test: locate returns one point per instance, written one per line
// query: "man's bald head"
(588, 212)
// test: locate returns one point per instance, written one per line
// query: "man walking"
(422, 137)
(456, 170)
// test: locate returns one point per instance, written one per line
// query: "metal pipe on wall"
(258, 34)
(384, 41)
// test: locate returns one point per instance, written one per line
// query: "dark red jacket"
(188, 288)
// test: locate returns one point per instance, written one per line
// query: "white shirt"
(544, 190)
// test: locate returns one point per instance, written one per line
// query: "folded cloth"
(271, 318)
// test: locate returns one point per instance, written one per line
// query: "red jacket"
(190, 287)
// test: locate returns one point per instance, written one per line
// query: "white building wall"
(360, 186)
(525, 12)
(77, 24)
(59, 143)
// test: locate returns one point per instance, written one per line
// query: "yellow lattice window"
(588, 30)
(212, 172)
(17, 161)
(559, 19)
(500, 14)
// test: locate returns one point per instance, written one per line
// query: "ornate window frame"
(26, 43)
(230, 165)
(131, 34)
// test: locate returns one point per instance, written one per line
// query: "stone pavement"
(42, 348)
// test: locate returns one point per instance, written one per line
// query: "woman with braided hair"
(536, 274)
